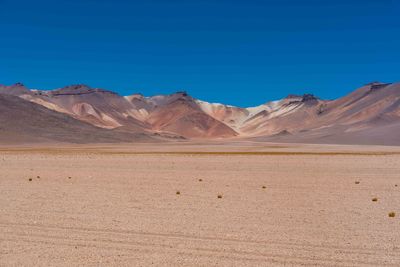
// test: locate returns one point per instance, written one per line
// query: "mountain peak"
(378, 86)
(375, 83)
(78, 89)
(291, 96)
(305, 98)
(78, 86)
(181, 93)
(309, 97)
(19, 84)
(15, 89)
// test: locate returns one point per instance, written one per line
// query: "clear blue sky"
(240, 52)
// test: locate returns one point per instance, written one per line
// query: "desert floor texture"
(279, 205)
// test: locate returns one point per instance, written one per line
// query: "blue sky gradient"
(236, 52)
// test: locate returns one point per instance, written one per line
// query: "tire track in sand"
(196, 246)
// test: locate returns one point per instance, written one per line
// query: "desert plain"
(196, 204)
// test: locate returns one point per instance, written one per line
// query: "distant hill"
(79, 113)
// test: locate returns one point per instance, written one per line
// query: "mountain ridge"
(302, 118)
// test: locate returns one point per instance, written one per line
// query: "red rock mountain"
(22, 121)
(369, 115)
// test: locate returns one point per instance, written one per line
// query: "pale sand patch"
(120, 205)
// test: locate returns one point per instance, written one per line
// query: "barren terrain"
(369, 115)
(118, 205)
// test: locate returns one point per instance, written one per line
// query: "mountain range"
(81, 114)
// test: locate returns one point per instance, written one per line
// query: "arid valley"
(199, 133)
(199, 204)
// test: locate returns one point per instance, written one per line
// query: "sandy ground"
(116, 206)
